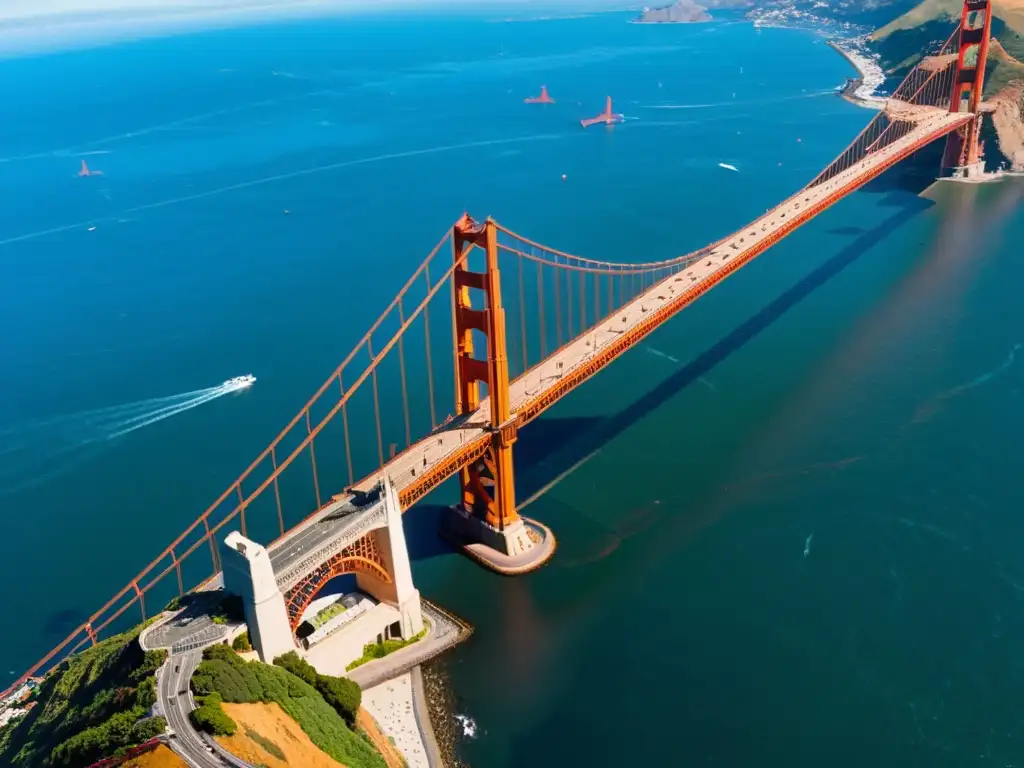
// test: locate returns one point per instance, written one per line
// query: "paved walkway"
(443, 632)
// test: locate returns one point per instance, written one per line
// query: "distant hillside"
(902, 42)
(1011, 12)
(681, 12)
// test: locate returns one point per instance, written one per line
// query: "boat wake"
(36, 451)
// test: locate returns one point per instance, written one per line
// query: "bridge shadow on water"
(551, 446)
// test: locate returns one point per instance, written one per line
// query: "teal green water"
(787, 532)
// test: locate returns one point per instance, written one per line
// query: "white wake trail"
(38, 451)
(165, 413)
(75, 427)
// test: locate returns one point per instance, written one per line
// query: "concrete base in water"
(521, 547)
(973, 172)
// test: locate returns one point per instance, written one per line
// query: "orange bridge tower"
(485, 521)
(963, 155)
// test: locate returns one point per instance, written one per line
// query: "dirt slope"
(161, 757)
(267, 736)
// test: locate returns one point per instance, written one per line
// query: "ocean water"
(787, 524)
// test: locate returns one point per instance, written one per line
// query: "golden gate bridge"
(525, 324)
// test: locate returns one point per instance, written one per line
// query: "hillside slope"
(90, 706)
(947, 11)
(921, 30)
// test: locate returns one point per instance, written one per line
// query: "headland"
(860, 90)
(680, 12)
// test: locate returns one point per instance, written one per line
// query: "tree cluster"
(324, 707)
(341, 693)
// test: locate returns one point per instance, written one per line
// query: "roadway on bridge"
(469, 433)
(663, 299)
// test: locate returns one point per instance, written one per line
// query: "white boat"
(240, 382)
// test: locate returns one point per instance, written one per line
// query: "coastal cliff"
(681, 12)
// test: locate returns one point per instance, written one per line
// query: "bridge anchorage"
(569, 317)
(278, 584)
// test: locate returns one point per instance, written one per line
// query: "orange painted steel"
(489, 450)
(298, 600)
(964, 147)
(426, 349)
(487, 487)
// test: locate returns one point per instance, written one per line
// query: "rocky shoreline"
(441, 707)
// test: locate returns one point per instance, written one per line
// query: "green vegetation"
(229, 610)
(230, 678)
(174, 605)
(90, 706)
(1002, 69)
(373, 651)
(328, 613)
(341, 693)
(147, 729)
(209, 716)
(902, 44)
(266, 744)
(298, 666)
(241, 643)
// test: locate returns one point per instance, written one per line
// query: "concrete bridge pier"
(249, 574)
(401, 592)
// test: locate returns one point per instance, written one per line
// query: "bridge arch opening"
(299, 598)
(324, 605)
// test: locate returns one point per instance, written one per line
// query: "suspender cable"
(568, 307)
(348, 444)
(540, 310)
(376, 403)
(558, 304)
(430, 365)
(277, 488)
(312, 458)
(583, 302)
(522, 316)
(401, 369)
(241, 507)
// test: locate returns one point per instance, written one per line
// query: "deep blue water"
(797, 545)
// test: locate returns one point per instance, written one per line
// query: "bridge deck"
(438, 456)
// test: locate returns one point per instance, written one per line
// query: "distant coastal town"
(863, 90)
(849, 40)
